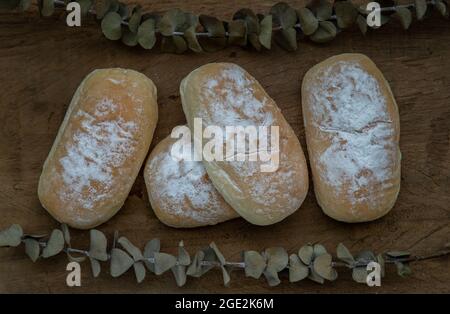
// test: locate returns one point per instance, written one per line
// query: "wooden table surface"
(42, 61)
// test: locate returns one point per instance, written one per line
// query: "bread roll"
(352, 131)
(180, 191)
(224, 94)
(100, 147)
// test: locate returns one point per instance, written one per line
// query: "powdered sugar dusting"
(98, 147)
(232, 100)
(353, 115)
(179, 181)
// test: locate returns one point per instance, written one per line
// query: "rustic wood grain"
(42, 62)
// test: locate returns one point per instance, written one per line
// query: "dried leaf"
(297, 270)
(191, 38)
(404, 16)
(359, 274)
(325, 33)
(153, 246)
(170, 21)
(139, 271)
(146, 34)
(344, 254)
(441, 7)
(66, 233)
(174, 44)
(362, 24)
(403, 269)
(346, 13)
(195, 269)
(183, 255)
(131, 249)
(216, 39)
(24, 4)
(219, 255)
(101, 8)
(95, 267)
(265, 35)
(237, 33)
(398, 254)
(322, 9)
(323, 267)
(306, 254)
(129, 38)
(179, 272)
(11, 236)
(283, 15)
(308, 21)
(85, 6)
(366, 257)
(112, 26)
(380, 261)
(163, 262)
(98, 245)
(421, 8)
(254, 264)
(277, 258)
(319, 249)
(225, 276)
(32, 249)
(252, 25)
(123, 11)
(46, 7)
(77, 259)
(272, 276)
(120, 262)
(135, 19)
(315, 277)
(54, 245)
(287, 39)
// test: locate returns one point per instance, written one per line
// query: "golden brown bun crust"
(352, 132)
(224, 94)
(180, 191)
(100, 147)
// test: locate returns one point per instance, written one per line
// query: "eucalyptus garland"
(312, 261)
(179, 31)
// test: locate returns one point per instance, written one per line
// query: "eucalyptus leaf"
(146, 34)
(322, 9)
(66, 233)
(11, 236)
(123, 11)
(403, 269)
(265, 35)
(315, 277)
(344, 254)
(98, 245)
(46, 7)
(95, 267)
(325, 33)
(216, 30)
(271, 275)
(226, 276)
(277, 258)
(179, 272)
(441, 7)
(308, 21)
(139, 271)
(287, 39)
(195, 269)
(362, 24)
(237, 32)
(134, 251)
(135, 19)
(32, 249)
(112, 26)
(254, 264)
(346, 13)
(323, 267)
(404, 16)
(306, 254)
(24, 4)
(283, 15)
(191, 38)
(120, 262)
(101, 8)
(252, 25)
(163, 262)
(183, 255)
(319, 249)
(73, 258)
(170, 21)
(359, 274)
(380, 260)
(173, 44)
(398, 254)
(421, 8)
(54, 245)
(297, 270)
(219, 254)
(365, 257)
(129, 38)
(153, 246)
(85, 6)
